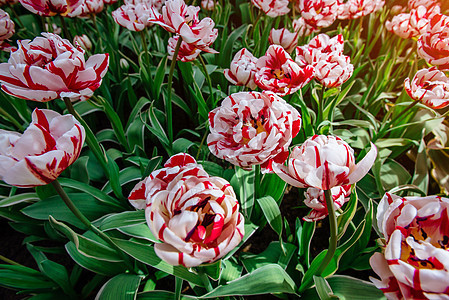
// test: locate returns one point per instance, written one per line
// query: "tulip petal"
(363, 167)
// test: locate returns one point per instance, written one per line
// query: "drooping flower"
(354, 9)
(433, 45)
(134, 17)
(412, 24)
(251, 128)
(430, 86)
(273, 8)
(47, 147)
(183, 20)
(83, 41)
(283, 37)
(50, 67)
(324, 162)
(194, 215)
(242, 69)
(331, 67)
(49, 8)
(277, 72)
(318, 13)
(314, 199)
(415, 261)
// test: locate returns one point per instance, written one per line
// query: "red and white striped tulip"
(414, 4)
(277, 72)
(429, 86)
(433, 45)
(302, 28)
(283, 37)
(49, 8)
(318, 13)
(134, 17)
(6, 26)
(334, 70)
(252, 128)
(50, 67)
(272, 8)
(89, 7)
(83, 41)
(354, 9)
(319, 48)
(187, 52)
(48, 146)
(314, 199)
(324, 162)
(412, 24)
(415, 261)
(194, 215)
(183, 20)
(242, 69)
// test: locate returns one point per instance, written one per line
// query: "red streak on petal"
(161, 232)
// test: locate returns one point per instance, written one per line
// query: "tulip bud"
(83, 41)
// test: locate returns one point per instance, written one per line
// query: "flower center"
(278, 74)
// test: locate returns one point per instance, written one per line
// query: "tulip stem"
(333, 233)
(403, 113)
(16, 15)
(209, 82)
(64, 27)
(9, 261)
(57, 186)
(168, 105)
(11, 119)
(145, 47)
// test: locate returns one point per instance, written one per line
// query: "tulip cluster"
(415, 260)
(196, 216)
(6, 30)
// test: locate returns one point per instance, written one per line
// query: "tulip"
(318, 13)
(302, 28)
(208, 4)
(83, 41)
(433, 45)
(187, 52)
(6, 26)
(283, 37)
(57, 70)
(415, 260)
(354, 9)
(183, 20)
(414, 4)
(88, 7)
(314, 199)
(324, 162)
(413, 24)
(430, 86)
(251, 128)
(277, 72)
(38, 156)
(242, 69)
(273, 8)
(49, 8)
(333, 71)
(194, 215)
(134, 17)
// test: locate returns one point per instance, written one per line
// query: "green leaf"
(265, 280)
(323, 289)
(345, 218)
(243, 184)
(120, 287)
(146, 254)
(272, 185)
(225, 56)
(347, 287)
(161, 295)
(123, 219)
(126, 175)
(91, 246)
(274, 254)
(393, 174)
(79, 170)
(20, 198)
(182, 145)
(24, 278)
(159, 77)
(141, 231)
(272, 213)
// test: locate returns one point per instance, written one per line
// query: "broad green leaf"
(146, 254)
(225, 56)
(272, 213)
(274, 254)
(393, 174)
(126, 175)
(345, 218)
(161, 295)
(265, 280)
(141, 231)
(24, 278)
(323, 289)
(120, 287)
